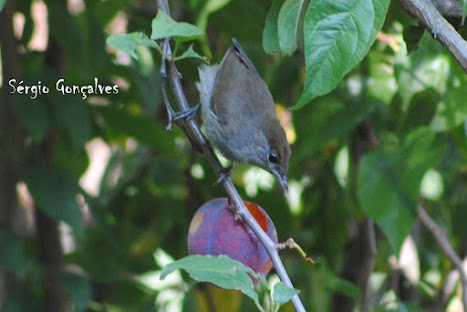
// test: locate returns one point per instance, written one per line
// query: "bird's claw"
(225, 173)
(188, 114)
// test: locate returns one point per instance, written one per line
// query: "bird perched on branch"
(239, 117)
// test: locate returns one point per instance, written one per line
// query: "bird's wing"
(243, 57)
(239, 89)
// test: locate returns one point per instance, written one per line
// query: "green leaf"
(209, 7)
(128, 43)
(54, 192)
(141, 128)
(432, 67)
(73, 118)
(164, 26)
(452, 109)
(270, 32)
(282, 293)
(2, 3)
(428, 67)
(190, 53)
(68, 32)
(389, 182)
(412, 36)
(288, 25)
(220, 271)
(33, 116)
(12, 252)
(329, 118)
(337, 284)
(79, 289)
(74, 161)
(25, 298)
(338, 34)
(340, 285)
(383, 83)
(421, 110)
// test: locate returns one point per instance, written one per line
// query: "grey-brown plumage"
(239, 115)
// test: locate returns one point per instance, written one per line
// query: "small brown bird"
(239, 115)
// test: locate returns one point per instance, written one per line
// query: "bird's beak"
(281, 177)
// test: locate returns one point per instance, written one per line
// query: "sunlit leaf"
(220, 270)
(452, 110)
(282, 293)
(431, 67)
(190, 53)
(128, 43)
(337, 35)
(428, 67)
(382, 84)
(389, 182)
(164, 26)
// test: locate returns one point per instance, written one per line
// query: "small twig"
(444, 293)
(291, 244)
(371, 243)
(441, 30)
(163, 72)
(443, 243)
(193, 131)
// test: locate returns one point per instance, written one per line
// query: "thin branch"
(443, 243)
(448, 7)
(163, 72)
(195, 133)
(441, 30)
(371, 243)
(444, 293)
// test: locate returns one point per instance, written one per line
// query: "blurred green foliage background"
(96, 196)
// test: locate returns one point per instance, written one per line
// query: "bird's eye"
(273, 158)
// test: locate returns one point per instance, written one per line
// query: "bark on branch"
(169, 72)
(448, 7)
(441, 30)
(440, 237)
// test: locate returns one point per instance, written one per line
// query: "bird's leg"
(224, 174)
(171, 114)
(188, 114)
